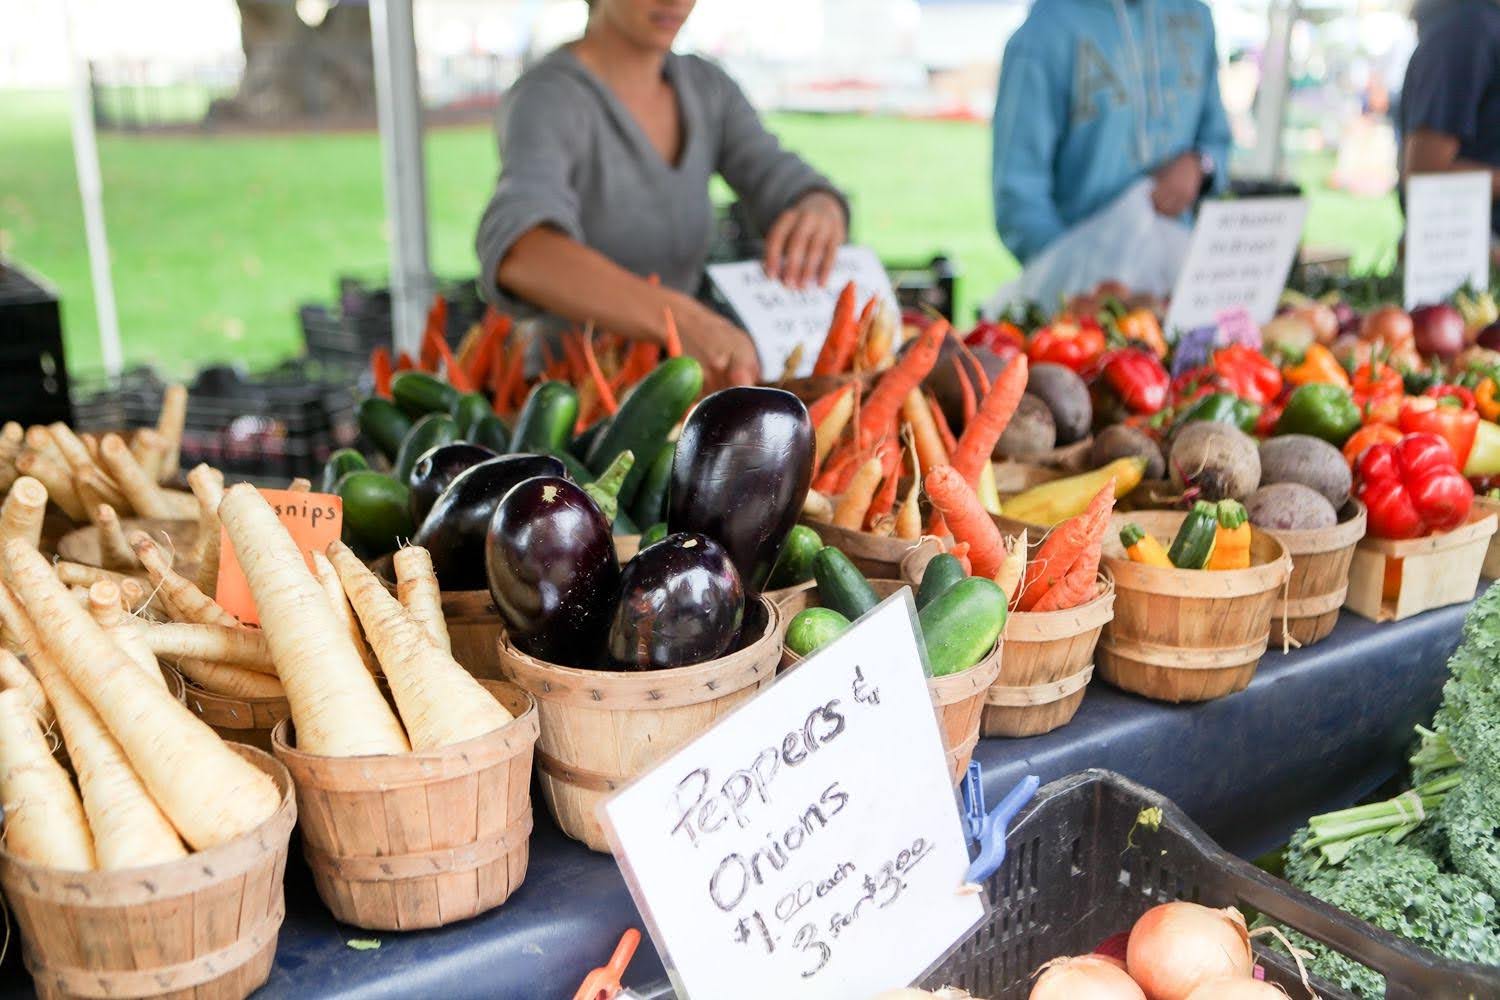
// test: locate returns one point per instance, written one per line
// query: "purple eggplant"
(680, 602)
(454, 530)
(436, 469)
(740, 475)
(553, 572)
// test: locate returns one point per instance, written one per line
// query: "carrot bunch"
(1064, 572)
(857, 343)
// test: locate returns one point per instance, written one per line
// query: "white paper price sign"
(1447, 235)
(1239, 257)
(779, 318)
(809, 846)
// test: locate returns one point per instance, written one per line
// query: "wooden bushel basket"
(1435, 571)
(202, 927)
(1049, 660)
(602, 728)
(811, 388)
(958, 699)
(1491, 568)
(876, 556)
(473, 623)
(1188, 634)
(1320, 578)
(626, 546)
(81, 545)
(405, 841)
(238, 720)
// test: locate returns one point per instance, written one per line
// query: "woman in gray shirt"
(607, 147)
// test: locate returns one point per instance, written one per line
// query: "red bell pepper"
(1450, 412)
(1072, 343)
(1003, 338)
(1413, 488)
(1248, 373)
(1137, 377)
(1366, 437)
(1376, 379)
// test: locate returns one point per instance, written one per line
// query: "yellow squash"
(1061, 499)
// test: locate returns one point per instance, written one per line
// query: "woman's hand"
(802, 242)
(726, 351)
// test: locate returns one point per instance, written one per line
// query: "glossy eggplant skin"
(740, 475)
(438, 468)
(454, 530)
(681, 602)
(553, 572)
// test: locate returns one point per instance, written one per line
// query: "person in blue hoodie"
(1093, 96)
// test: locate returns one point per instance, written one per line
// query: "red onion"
(1177, 947)
(1438, 330)
(1087, 977)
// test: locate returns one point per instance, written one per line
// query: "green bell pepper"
(1325, 411)
(1221, 408)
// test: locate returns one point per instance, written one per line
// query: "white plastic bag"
(1126, 241)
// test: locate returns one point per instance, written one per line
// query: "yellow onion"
(1177, 947)
(1087, 977)
(1238, 989)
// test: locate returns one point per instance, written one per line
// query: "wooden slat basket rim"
(951, 689)
(198, 871)
(418, 767)
(1038, 695)
(1270, 565)
(1349, 530)
(1481, 524)
(674, 687)
(862, 545)
(459, 606)
(1046, 626)
(226, 707)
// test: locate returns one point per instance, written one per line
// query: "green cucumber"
(814, 628)
(575, 469)
(651, 502)
(794, 565)
(959, 628)
(376, 511)
(384, 425)
(841, 586)
(418, 394)
(545, 424)
(429, 432)
(646, 418)
(468, 410)
(580, 445)
(1193, 544)
(490, 432)
(340, 464)
(605, 491)
(654, 534)
(943, 572)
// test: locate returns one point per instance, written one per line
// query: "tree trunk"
(294, 72)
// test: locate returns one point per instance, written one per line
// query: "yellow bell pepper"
(1484, 457)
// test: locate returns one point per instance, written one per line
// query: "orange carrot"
(825, 403)
(639, 361)
(890, 473)
(849, 512)
(601, 384)
(1078, 587)
(493, 330)
(840, 465)
(404, 362)
(839, 344)
(967, 519)
(674, 342)
(878, 415)
(983, 430)
(1073, 544)
(940, 420)
(452, 370)
(960, 551)
(930, 452)
(966, 387)
(437, 325)
(380, 367)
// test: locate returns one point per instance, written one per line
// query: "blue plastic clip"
(989, 828)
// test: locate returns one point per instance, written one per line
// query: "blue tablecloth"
(1317, 729)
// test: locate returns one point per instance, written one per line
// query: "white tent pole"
(1275, 88)
(399, 107)
(91, 192)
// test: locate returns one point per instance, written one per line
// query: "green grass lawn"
(215, 240)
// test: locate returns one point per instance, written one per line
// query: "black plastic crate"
(1081, 868)
(273, 426)
(340, 338)
(33, 370)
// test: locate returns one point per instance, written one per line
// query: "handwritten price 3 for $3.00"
(740, 812)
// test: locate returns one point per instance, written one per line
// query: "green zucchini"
(429, 432)
(654, 534)
(340, 464)
(814, 628)
(575, 469)
(841, 586)
(651, 502)
(795, 563)
(490, 432)
(1193, 545)
(646, 418)
(384, 425)
(959, 628)
(581, 444)
(418, 394)
(941, 573)
(545, 424)
(376, 513)
(468, 409)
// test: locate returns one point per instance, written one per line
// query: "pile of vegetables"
(1426, 864)
(1213, 536)
(854, 344)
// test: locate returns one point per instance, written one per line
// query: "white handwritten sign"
(779, 318)
(1447, 235)
(1239, 256)
(809, 846)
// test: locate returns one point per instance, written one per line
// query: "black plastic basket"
(1081, 868)
(273, 426)
(339, 339)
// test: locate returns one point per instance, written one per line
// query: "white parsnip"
(140, 489)
(232, 682)
(207, 484)
(417, 590)
(209, 792)
(182, 599)
(23, 510)
(238, 646)
(72, 448)
(39, 440)
(440, 702)
(12, 440)
(328, 577)
(150, 451)
(94, 488)
(114, 550)
(169, 424)
(337, 709)
(104, 607)
(44, 821)
(56, 478)
(73, 574)
(15, 677)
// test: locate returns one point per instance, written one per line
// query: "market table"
(1317, 729)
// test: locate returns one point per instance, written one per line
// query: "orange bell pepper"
(1142, 326)
(1318, 365)
(1365, 437)
(1485, 401)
